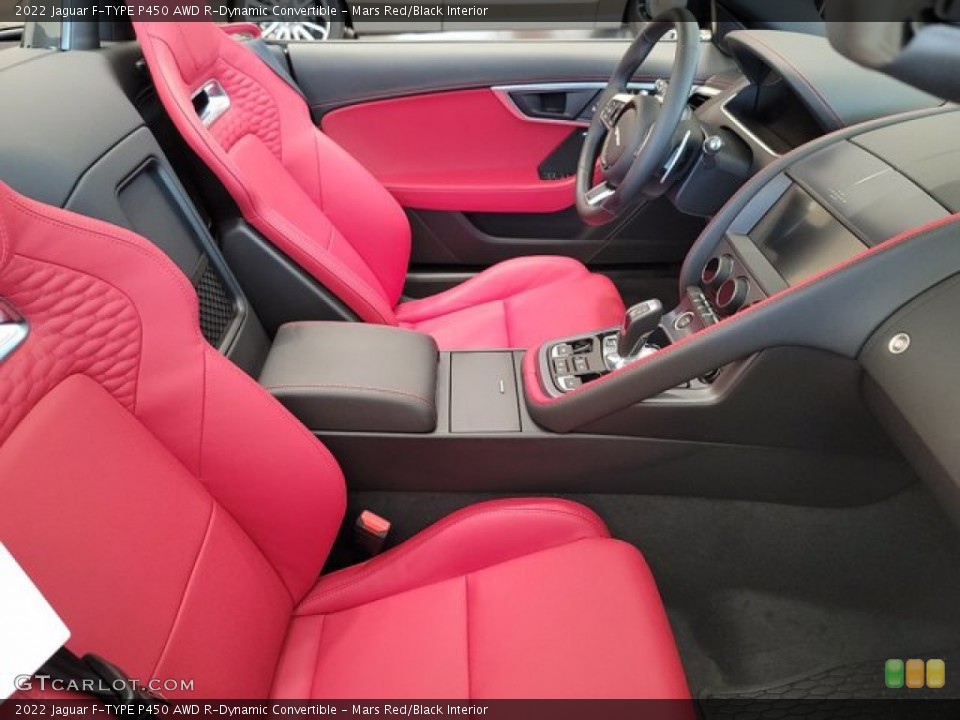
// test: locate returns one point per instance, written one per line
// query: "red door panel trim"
(463, 150)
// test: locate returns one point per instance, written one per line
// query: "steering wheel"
(636, 135)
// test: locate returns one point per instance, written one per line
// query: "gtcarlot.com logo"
(86, 686)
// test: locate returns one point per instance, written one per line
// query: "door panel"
(464, 150)
(479, 141)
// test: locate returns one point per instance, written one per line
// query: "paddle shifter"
(638, 322)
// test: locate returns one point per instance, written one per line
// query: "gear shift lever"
(638, 322)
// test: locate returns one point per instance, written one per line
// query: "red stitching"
(338, 386)
(803, 78)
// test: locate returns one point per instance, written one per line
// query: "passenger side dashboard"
(797, 88)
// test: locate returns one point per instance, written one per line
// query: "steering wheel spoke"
(596, 195)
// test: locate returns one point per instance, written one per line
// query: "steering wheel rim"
(651, 123)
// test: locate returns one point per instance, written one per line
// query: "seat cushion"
(518, 303)
(508, 599)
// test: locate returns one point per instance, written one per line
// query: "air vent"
(698, 99)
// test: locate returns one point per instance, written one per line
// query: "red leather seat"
(319, 206)
(178, 517)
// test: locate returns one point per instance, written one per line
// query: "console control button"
(580, 364)
(561, 350)
(561, 366)
(568, 382)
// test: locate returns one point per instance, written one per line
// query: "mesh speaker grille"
(216, 309)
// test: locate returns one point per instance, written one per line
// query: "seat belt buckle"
(370, 532)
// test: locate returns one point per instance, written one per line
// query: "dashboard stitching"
(805, 80)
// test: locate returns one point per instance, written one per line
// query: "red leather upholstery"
(315, 202)
(177, 516)
(158, 496)
(462, 150)
(518, 303)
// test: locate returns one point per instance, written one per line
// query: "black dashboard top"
(836, 91)
(926, 150)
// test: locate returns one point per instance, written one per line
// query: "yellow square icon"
(936, 673)
(915, 673)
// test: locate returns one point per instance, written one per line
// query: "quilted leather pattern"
(252, 111)
(78, 325)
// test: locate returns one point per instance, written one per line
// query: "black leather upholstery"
(355, 376)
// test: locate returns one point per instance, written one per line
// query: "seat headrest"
(195, 46)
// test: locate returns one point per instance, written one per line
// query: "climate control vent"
(698, 99)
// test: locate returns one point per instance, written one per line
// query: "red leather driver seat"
(178, 517)
(321, 208)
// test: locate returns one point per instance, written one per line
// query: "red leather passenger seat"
(178, 517)
(321, 208)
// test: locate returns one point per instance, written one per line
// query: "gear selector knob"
(638, 322)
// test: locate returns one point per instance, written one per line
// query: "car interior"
(609, 368)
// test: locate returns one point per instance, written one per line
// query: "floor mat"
(852, 692)
(762, 596)
(856, 681)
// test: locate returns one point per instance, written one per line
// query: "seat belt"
(93, 676)
(269, 58)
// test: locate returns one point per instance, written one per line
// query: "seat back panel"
(367, 269)
(105, 303)
(142, 564)
(309, 230)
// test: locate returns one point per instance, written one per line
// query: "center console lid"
(354, 376)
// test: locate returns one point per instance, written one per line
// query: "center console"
(750, 387)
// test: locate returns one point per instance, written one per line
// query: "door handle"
(553, 104)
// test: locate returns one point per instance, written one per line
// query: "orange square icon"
(936, 673)
(915, 673)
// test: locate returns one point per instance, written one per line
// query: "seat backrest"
(167, 506)
(302, 191)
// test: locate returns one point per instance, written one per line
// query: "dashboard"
(796, 88)
(815, 254)
(823, 210)
(834, 203)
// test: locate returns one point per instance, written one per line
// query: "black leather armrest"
(353, 376)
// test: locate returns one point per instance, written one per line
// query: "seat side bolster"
(504, 280)
(466, 541)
